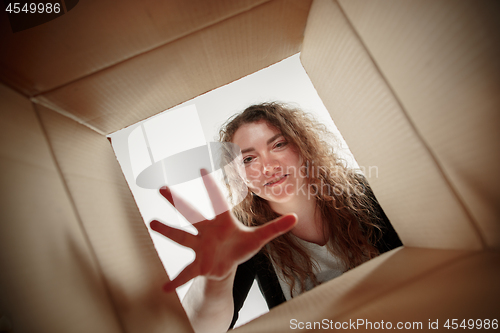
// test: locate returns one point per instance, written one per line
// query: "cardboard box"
(412, 85)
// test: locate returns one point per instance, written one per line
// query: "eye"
(247, 159)
(280, 144)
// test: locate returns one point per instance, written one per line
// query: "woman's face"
(272, 164)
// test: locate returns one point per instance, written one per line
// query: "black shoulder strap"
(389, 239)
(258, 266)
(268, 282)
(245, 274)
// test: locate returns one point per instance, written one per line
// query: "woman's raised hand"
(223, 242)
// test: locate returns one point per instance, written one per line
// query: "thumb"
(276, 227)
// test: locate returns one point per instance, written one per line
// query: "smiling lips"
(277, 181)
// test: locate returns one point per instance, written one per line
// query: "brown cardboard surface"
(464, 289)
(410, 185)
(49, 281)
(151, 82)
(98, 34)
(441, 60)
(109, 215)
(366, 284)
(70, 227)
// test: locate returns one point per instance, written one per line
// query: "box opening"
(195, 123)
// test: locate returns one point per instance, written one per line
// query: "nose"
(270, 167)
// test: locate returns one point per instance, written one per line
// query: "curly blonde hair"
(348, 213)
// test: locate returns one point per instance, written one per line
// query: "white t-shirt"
(330, 267)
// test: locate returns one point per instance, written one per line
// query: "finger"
(179, 236)
(188, 273)
(275, 228)
(218, 200)
(182, 206)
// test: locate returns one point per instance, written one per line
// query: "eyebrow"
(268, 142)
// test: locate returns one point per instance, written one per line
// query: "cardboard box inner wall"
(412, 86)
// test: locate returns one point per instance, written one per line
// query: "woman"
(298, 184)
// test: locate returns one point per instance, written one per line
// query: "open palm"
(223, 242)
